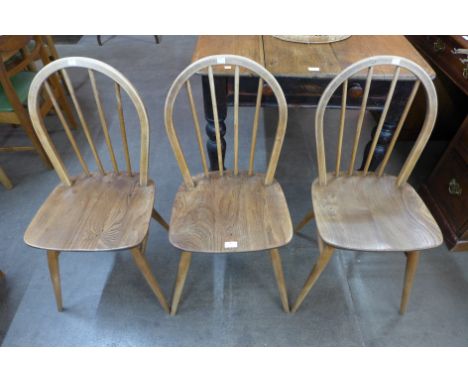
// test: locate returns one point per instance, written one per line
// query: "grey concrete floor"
(229, 300)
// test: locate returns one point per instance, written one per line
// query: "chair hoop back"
(239, 62)
(342, 80)
(52, 69)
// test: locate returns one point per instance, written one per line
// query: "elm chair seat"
(99, 213)
(391, 218)
(230, 214)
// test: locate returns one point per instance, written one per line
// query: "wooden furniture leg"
(278, 269)
(412, 259)
(322, 261)
(221, 101)
(184, 265)
(157, 39)
(98, 37)
(156, 216)
(2, 275)
(143, 265)
(53, 260)
(5, 180)
(307, 218)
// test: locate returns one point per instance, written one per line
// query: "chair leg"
(4, 180)
(98, 37)
(157, 39)
(278, 269)
(2, 275)
(309, 216)
(322, 261)
(412, 259)
(53, 261)
(184, 265)
(143, 265)
(156, 216)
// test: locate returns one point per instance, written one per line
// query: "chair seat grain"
(370, 213)
(98, 213)
(230, 208)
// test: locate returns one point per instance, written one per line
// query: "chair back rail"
(50, 71)
(207, 63)
(342, 80)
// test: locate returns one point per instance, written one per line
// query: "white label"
(396, 61)
(221, 60)
(230, 244)
(313, 69)
(465, 37)
(227, 67)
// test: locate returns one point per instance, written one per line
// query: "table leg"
(393, 117)
(221, 102)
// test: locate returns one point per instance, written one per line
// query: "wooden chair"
(228, 211)
(15, 80)
(366, 210)
(95, 211)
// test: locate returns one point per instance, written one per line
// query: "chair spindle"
(122, 127)
(362, 113)
(102, 118)
(401, 122)
(66, 127)
(197, 127)
(255, 125)
(84, 125)
(216, 120)
(382, 119)
(342, 124)
(236, 120)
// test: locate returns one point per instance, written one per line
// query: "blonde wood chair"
(15, 80)
(228, 211)
(372, 211)
(94, 211)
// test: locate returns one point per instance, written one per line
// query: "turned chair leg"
(156, 216)
(184, 265)
(53, 261)
(412, 259)
(278, 269)
(143, 265)
(307, 218)
(324, 257)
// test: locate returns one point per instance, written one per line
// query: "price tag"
(313, 69)
(230, 244)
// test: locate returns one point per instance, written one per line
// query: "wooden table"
(294, 66)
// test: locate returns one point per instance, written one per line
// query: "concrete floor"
(229, 300)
